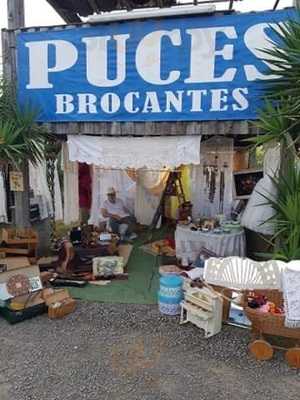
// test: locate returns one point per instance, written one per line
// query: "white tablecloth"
(189, 243)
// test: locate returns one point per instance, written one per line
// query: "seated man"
(120, 220)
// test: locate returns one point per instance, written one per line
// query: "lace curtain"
(211, 181)
(154, 153)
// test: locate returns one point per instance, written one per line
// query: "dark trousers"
(115, 224)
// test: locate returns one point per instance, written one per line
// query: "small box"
(61, 309)
(59, 303)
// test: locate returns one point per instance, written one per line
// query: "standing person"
(120, 220)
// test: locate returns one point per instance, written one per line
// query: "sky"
(40, 13)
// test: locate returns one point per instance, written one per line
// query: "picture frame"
(244, 182)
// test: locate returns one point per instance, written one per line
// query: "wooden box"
(59, 303)
(61, 309)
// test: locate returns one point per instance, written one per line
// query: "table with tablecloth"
(189, 243)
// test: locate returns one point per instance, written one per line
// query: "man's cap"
(111, 190)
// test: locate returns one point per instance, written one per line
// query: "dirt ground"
(132, 352)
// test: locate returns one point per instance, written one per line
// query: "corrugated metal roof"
(70, 10)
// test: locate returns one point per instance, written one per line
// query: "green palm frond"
(21, 138)
(286, 218)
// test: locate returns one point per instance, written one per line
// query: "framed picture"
(245, 181)
(16, 181)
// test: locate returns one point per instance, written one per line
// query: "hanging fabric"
(257, 212)
(41, 192)
(154, 153)
(102, 179)
(71, 191)
(141, 194)
(211, 181)
(150, 185)
(3, 204)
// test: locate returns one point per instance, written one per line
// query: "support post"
(15, 14)
(16, 20)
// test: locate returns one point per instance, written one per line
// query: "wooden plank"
(15, 14)
(152, 128)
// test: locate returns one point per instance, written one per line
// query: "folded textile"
(291, 294)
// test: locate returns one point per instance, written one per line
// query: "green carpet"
(141, 286)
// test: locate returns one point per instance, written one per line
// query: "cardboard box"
(12, 263)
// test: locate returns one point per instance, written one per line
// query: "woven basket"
(267, 323)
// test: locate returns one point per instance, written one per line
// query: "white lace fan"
(243, 273)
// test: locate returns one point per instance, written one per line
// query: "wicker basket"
(267, 323)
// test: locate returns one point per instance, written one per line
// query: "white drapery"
(149, 188)
(141, 194)
(257, 212)
(103, 179)
(71, 191)
(39, 185)
(148, 156)
(153, 153)
(207, 195)
(3, 212)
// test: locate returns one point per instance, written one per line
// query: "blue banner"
(192, 68)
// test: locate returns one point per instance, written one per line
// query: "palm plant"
(279, 122)
(286, 218)
(21, 139)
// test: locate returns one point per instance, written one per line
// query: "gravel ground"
(131, 352)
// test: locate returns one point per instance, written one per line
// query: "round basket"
(267, 323)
